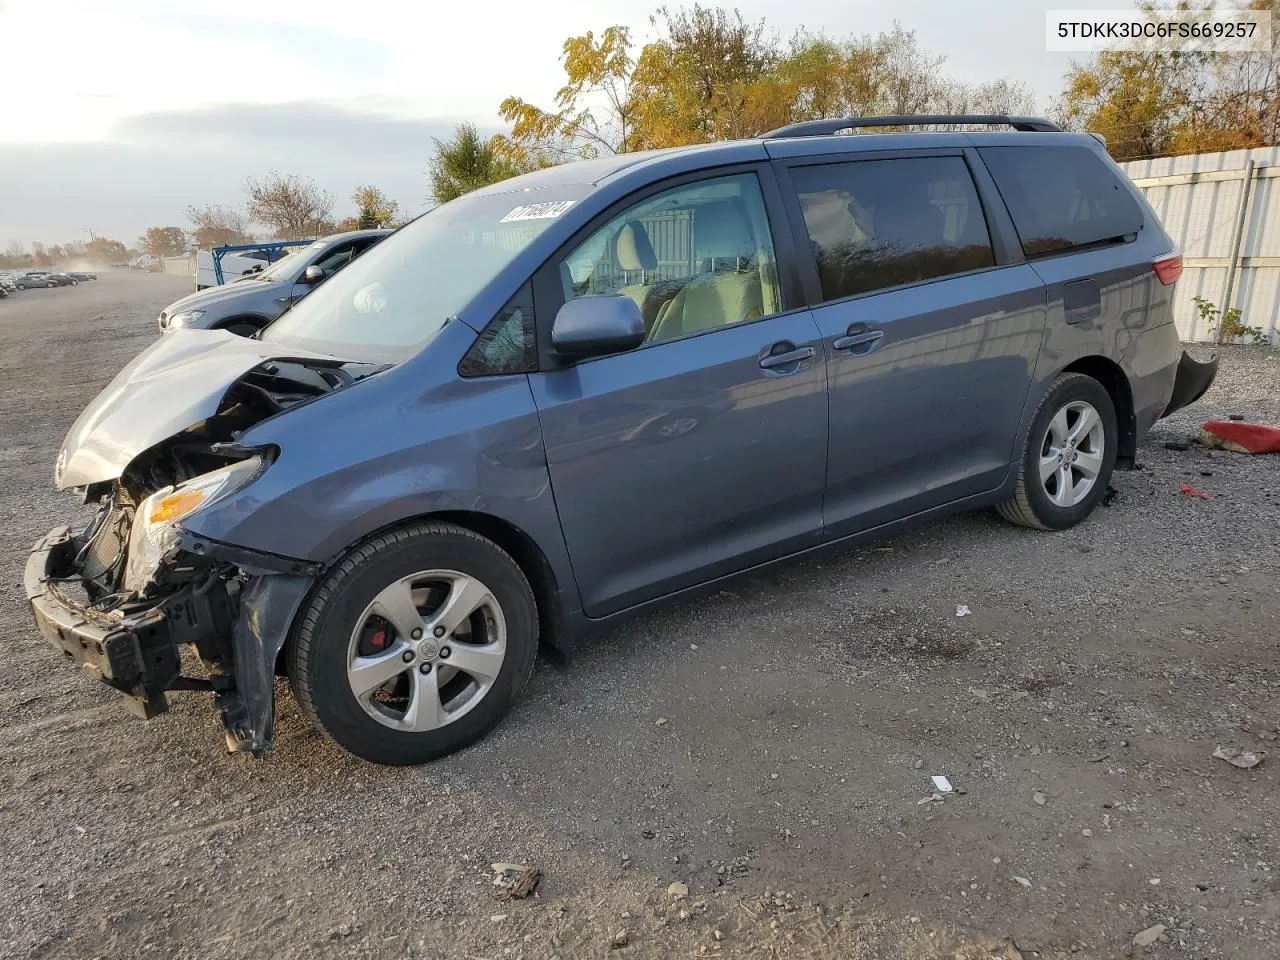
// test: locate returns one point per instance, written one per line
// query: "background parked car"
(62, 279)
(254, 301)
(38, 278)
(81, 275)
(8, 283)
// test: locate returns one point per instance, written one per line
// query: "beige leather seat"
(632, 250)
(730, 291)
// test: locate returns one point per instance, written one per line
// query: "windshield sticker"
(538, 211)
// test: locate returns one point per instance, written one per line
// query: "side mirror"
(592, 326)
(311, 276)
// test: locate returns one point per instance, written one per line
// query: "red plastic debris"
(1243, 437)
(1191, 491)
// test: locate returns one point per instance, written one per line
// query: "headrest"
(721, 231)
(632, 249)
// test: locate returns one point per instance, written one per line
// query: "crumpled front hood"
(175, 383)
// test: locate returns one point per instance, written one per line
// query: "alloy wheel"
(426, 650)
(1071, 453)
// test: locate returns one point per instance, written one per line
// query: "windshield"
(401, 292)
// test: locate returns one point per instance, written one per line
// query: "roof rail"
(822, 128)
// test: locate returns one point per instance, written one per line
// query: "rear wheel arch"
(1113, 379)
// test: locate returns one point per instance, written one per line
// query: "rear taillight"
(1168, 268)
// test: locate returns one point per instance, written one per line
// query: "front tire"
(415, 645)
(1068, 458)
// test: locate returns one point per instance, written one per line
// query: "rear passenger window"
(1062, 198)
(874, 224)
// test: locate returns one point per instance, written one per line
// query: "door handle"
(795, 356)
(868, 339)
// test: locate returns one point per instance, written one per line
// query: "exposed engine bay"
(122, 596)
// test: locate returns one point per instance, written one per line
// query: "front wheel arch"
(312, 638)
(553, 620)
(522, 548)
(244, 325)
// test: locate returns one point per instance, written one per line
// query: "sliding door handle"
(859, 342)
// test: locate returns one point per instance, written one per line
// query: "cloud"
(152, 166)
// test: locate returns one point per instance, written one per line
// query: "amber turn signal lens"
(176, 505)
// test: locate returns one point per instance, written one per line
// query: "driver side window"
(693, 258)
(336, 259)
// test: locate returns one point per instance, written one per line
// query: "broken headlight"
(154, 524)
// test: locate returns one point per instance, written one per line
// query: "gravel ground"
(770, 747)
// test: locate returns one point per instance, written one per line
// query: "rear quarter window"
(1062, 198)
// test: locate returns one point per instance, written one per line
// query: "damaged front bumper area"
(234, 609)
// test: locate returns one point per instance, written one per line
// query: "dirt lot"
(771, 747)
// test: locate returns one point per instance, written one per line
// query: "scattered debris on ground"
(1240, 757)
(1241, 437)
(1149, 936)
(515, 881)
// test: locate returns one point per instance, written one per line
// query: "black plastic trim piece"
(826, 128)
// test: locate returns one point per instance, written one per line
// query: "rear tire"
(455, 656)
(1068, 457)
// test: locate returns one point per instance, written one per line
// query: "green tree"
(1136, 99)
(104, 250)
(376, 208)
(1160, 101)
(1237, 104)
(593, 110)
(466, 162)
(296, 207)
(217, 226)
(710, 75)
(15, 255)
(164, 241)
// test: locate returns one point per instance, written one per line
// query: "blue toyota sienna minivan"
(575, 393)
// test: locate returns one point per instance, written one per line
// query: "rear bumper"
(135, 655)
(1193, 378)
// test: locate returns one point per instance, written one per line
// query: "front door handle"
(795, 356)
(859, 342)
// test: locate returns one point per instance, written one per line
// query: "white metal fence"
(1223, 210)
(184, 266)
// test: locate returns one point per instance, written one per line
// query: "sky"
(119, 114)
